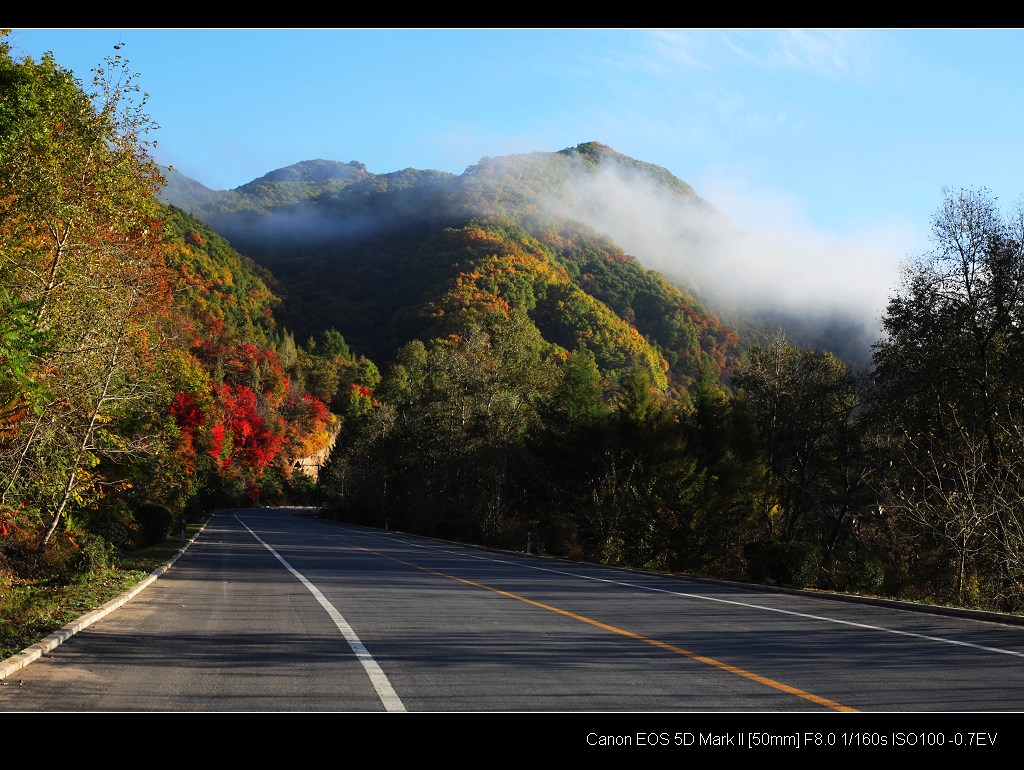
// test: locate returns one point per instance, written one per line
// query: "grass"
(29, 612)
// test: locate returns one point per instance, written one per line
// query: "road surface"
(274, 610)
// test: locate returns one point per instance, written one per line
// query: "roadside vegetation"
(38, 602)
(142, 377)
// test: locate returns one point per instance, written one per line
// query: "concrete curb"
(17, 662)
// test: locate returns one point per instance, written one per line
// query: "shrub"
(857, 572)
(93, 554)
(154, 522)
(18, 556)
(122, 535)
(793, 564)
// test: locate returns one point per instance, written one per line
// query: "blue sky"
(832, 141)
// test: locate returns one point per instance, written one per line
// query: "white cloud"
(834, 53)
(757, 252)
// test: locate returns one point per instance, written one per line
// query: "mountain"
(416, 253)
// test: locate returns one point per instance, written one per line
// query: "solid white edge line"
(822, 618)
(380, 682)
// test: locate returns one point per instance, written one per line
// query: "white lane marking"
(709, 598)
(380, 682)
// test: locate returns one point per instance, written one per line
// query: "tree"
(444, 448)
(724, 511)
(950, 379)
(805, 405)
(577, 404)
(82, 252)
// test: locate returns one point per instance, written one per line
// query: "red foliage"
(217, 434)
(190, 418)
(317, 409)
(253, 443)
(186, 412)
(360, 390)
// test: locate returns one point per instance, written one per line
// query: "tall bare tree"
(950, 376)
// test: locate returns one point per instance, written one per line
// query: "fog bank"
(772, 265)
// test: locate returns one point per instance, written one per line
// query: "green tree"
(444, 449)
(578, 403)
(332, 343)
(805, 406)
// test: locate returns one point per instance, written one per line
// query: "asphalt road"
(272, 610)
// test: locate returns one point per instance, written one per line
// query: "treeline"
(904, 479)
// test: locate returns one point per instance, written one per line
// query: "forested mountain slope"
(414, 254)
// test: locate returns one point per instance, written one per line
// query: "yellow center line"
(638, 637)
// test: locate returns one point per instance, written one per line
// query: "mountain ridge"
(322, 227)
